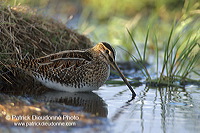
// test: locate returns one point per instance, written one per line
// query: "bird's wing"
(58, 66)
(61, 60)
(71, 54)
(63, 64)
(61, 69)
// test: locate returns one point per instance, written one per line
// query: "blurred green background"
(108, 20)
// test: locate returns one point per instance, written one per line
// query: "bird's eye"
(107, 52)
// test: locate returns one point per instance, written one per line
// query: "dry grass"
(24, 34)
(33, 35)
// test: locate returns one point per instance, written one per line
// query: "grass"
(179, 59)
(28, 33)
(25, 34)
(175, 48)
(176, 58)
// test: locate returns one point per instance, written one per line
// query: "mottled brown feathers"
(75, 68)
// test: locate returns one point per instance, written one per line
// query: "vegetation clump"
(33, 35)
(179, 60)
(28, 35)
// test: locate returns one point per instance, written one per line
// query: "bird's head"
(107, 53)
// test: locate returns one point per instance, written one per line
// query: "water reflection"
(90, 102)
(169, 109)
(173, 104)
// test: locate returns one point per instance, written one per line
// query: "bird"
(74, 70)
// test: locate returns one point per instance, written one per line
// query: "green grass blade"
(190, 67)
(135, 44)
(183, 59)
(172, 54)
(143, 68)
(145, 45)
(195, 72)
(178, 58)
(139, 64)
(157, 54)
(166, 54)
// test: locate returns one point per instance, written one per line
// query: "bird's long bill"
(114, 65)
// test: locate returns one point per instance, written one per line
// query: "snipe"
(74, 70)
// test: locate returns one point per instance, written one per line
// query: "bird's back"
(72, 71)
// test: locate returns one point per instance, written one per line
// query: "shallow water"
(154, 110)
(166, 110)
(163, 110)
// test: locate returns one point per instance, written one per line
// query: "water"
(154, 110)
(163, 110)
